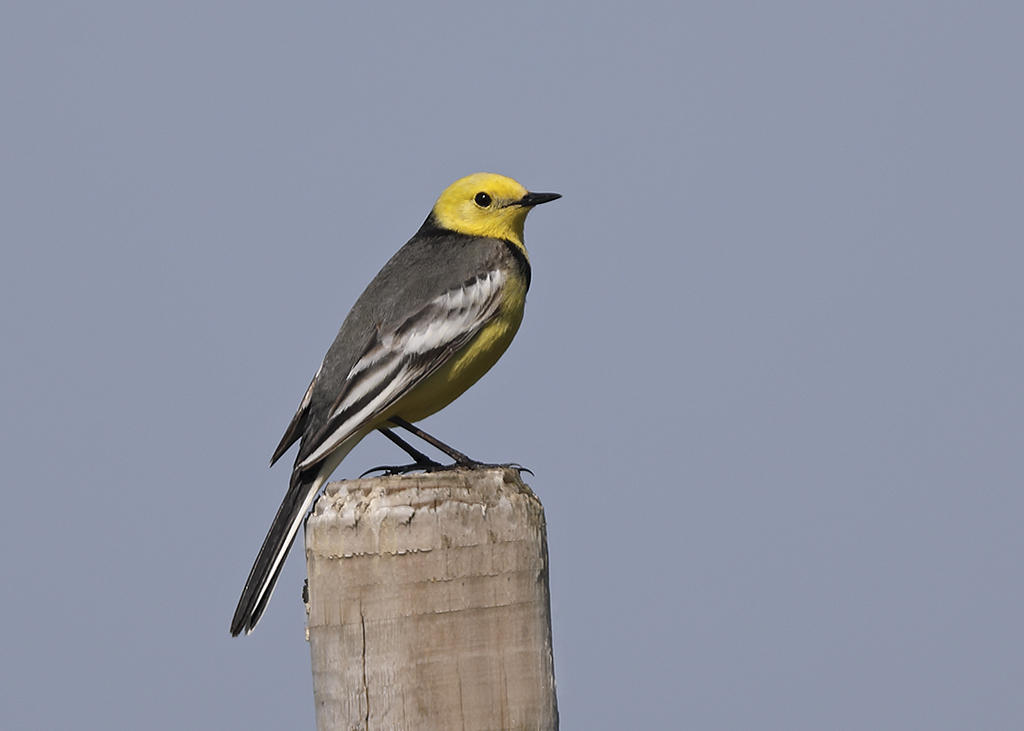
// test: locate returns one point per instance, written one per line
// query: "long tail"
(259, 586)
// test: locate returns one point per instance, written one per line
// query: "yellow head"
(485, 204)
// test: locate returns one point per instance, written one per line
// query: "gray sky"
(769, 378)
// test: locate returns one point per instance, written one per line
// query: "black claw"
(432, 466)
(474, 465)
(520, 468)
(404, 469)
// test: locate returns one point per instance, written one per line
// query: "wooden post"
(428, 604)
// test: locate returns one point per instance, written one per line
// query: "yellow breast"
(466, 366)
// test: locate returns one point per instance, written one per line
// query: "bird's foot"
(432, 466)
(404, 469)
(472, 464)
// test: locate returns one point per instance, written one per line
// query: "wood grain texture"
(428, 604)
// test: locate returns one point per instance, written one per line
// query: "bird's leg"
(422, 461)
(416, 454)
(460, 459)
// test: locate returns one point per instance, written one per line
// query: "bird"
(436, 317)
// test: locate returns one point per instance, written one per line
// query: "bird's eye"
(482, 199)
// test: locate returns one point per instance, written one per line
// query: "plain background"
(770, 376)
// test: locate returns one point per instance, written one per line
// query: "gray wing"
(400, 358)
(400, 330)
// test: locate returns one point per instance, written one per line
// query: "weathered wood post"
(428, 604)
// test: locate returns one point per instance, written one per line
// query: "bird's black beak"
(535, 199)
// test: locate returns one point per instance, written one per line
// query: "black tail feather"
(267, 567)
